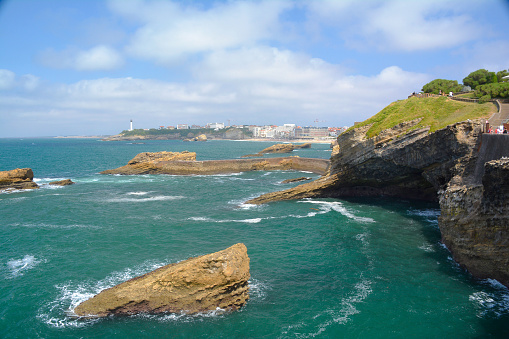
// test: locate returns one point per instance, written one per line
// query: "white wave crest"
(18, 267)
(154, 198)
(337, 206)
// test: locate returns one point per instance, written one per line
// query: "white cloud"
(399, 25)
(171, 31)
(6, 79)
(98, 58)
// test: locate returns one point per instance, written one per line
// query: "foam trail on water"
(18, 267)
(338, 207)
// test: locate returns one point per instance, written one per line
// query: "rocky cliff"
(200, 284)
(19, 178)
(456, 165)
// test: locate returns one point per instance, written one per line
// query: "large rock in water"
(19, 178)
(200, 284)
(147, 162)
(279, 148)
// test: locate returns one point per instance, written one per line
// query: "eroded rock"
(279, 148)
(200, 284)
(64, 182)
(19, 178)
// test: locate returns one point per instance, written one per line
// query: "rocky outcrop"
(400, 162)
(458, 166)
(201, 284)
(147, 162)
(288, 181)
(474, 222)
(16, 179)
(65, 182)
(184, 164)
(201, 137)
(279, 148)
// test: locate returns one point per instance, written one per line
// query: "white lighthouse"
(131, 126)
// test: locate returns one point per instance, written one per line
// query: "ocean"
(320, 268)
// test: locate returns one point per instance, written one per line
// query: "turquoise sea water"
(324, 268)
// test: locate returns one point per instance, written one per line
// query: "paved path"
(498, 118)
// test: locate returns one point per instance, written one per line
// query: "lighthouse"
(131, 126)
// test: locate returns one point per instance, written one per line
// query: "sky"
(87, 67)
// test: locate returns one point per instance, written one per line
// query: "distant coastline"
(313, 140)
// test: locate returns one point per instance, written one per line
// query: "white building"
(216, 125)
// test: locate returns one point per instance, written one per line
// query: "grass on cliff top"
(436, 112)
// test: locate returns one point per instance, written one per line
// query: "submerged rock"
(200, 284)
(19, 178)
(64, 182)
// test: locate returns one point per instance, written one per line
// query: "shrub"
(484, 99)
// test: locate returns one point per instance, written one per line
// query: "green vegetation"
(436, 112)
(479, 77)
(493, 90)
(443, 85)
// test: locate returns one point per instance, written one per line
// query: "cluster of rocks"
(201, 137)
(17, 179)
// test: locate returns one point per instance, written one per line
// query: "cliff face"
(400, 162)
(453, 165)
(474, 222)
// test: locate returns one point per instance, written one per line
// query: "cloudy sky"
(86, 67)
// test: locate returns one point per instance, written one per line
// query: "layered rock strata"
(458, 166)
(200, 284)
(149, 164)
(279, 148)
(16, 179)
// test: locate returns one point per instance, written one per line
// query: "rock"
(279, 148)
(201, 137)
(287, 181)
(458, 166)
(200, 284)
(64, 182)
(19, 178)
(146, 163)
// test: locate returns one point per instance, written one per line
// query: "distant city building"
(312, 132)
(131, 125)
(216, 125)
(182, 126)
(196, 127)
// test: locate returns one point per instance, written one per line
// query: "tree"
(502, 74)
(446, 86)
(479, 77)
(498, 90)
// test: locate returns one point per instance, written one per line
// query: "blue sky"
(86, 67)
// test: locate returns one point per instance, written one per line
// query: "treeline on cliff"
(487, 85)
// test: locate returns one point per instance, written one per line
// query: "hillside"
(436, 112)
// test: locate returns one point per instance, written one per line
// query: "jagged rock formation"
(200, 284)
(147, 162)
(288, 181)
(19, 178)
(400, 162)
(452, 165)
(64, 182)
(279, 148)
(184, 163)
